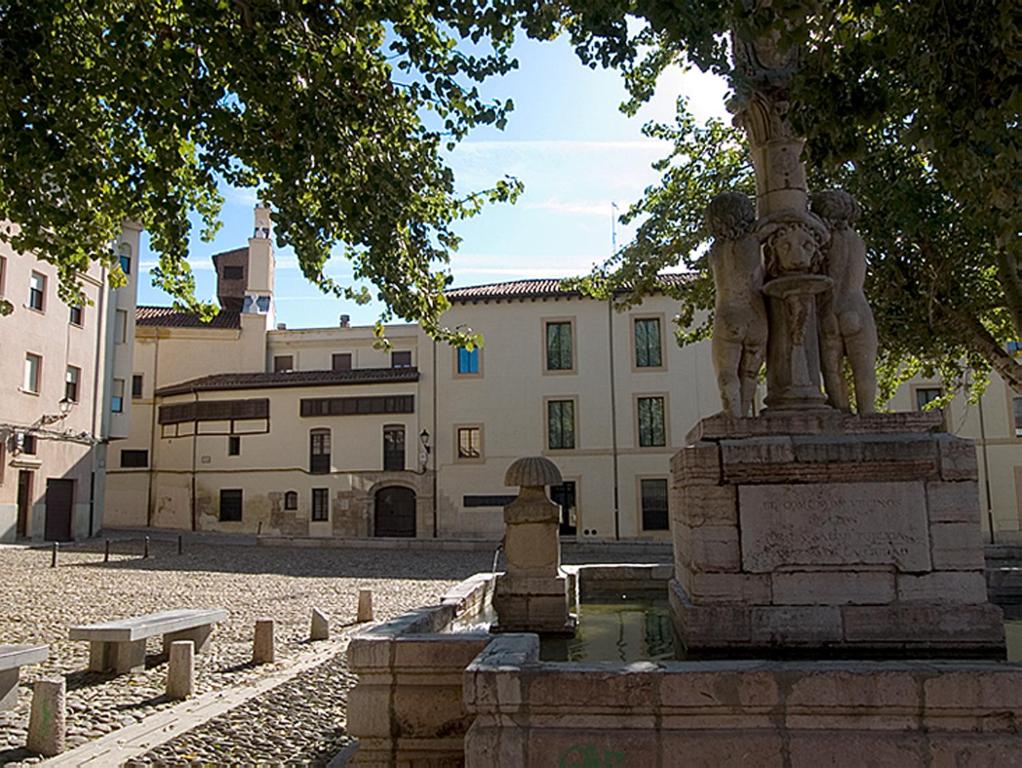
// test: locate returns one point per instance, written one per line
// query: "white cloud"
(573, 207)
(564, 145)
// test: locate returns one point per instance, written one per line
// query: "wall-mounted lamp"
(424, 441)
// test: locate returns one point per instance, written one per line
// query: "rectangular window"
(559, 354)
(37, 292)
(394, 448)
(71, 383)
(291, 500)
(357, 406)
(340, 361)
(468, 361)
(1017, 406)
(283, 363)
(319, 451)
(120, 326)
(125, 261)
(401, 358)
(77, 316)
(215, 410)
(564, 496)
(33, 369)
(654, 504)
(320, 504)
(926, 395)
(470, 442)
(230, 505)
(647, 343)
(3, 274)
(234, 273)
(27, 443)
(651, 422)
(136, 386)
(233, 445)
(560, 424)
(132, 458)
(117, 396)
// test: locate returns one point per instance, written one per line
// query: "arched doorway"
(395, 512)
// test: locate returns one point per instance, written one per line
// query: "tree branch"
(983, 342)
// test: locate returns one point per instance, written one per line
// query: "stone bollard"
(320, 627)
(181, 669)
(46, 724)
(262, 646)
(365, 605)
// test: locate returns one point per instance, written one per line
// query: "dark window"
(320, 504)
(291, 500)
(230, 505)
(401, 359)
(234, 273)
(341, 361)
(647, 343)
(37, 291)
(133, 458)
(357, 406)
(493, 500)
(560, 424)
(1017, 406)
(136, 386)
(28, 444)
(319, 451)
(563, 496)
(125, 261)
(651, 422)
(215, 410)
(654, 504)
(77, 316)
(926, 395)
(468, 360)
(71, 383)
(558, 346)
(470, 442)
(233, 445)
(394, 448)
(283, 363)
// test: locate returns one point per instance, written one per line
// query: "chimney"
(281, 326)
(345, 321)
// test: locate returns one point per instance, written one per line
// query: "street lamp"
(65, 405)
(424, 439)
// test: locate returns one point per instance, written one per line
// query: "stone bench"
(120, 645)
(12, 659)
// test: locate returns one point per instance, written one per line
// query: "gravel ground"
(40, 603)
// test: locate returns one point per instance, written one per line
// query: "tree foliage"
(337, 113)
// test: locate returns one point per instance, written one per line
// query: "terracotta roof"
(221, 381)
(168, 317)
(532, 289)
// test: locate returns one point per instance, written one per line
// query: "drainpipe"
(613, 419)
(150, 504)
(433, 453)
(98, 398)
(195, 438)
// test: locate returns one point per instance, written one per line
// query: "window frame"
(640, 522)
(38, 377)
(115, 399)
(80, 308)
(77, 382)
(633, 326)
(241, 506)
(545, 322)
(137, 394)
(290, 501)
(291, 366)
(313, 434)
(411, 359)
(456, 369)
(32, 291)
(404, 447)
(124, 257)
(637, 420)
(915, 389)
(320, 515)
(334, 356)
(1015, 430)
(547, 401)
(234, 445)
(121, 326)
(136, 453)
(458, 457)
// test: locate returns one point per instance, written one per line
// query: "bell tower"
(259, 279)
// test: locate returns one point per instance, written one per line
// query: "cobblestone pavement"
(40, 603)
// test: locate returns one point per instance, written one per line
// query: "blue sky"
(566, 140)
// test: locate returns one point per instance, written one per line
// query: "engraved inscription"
(834, 524)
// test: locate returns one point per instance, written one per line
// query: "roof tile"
(168, 317)
(260, 380)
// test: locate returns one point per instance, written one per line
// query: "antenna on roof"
(613, 228)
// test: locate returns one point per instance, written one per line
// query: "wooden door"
(60, 496)
(24, 503)
(395, 512)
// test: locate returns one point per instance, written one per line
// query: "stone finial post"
(47, 721)
(319, 629)
(365, 605)
(532, 595)
(181, 669)
(262, 645)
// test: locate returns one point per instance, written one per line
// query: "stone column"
(319, 628)
(181, 669)
(46, 725)
(365, 606)
(262, 645)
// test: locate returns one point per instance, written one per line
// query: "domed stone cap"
(532, 470)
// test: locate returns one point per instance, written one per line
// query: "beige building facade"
(246, 426)
(63, 393)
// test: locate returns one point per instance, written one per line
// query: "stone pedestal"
(532, 596)
(823, 531)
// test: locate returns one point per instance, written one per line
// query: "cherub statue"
(740, 319)
(847, 328)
